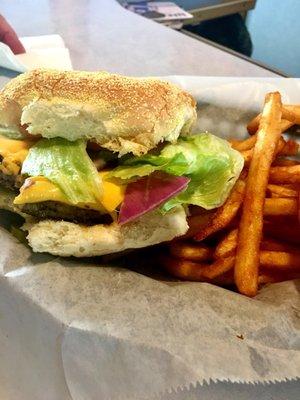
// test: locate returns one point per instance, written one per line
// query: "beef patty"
(60, 211)
(52, 209)
(8, 181)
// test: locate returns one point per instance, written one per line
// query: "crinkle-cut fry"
(276, 276)
(280, 206)
(284, 162)
(191, 251)
(279, 260)
(227, 245)
(251, 224)
(278, 191)
(281, 175)
(226, 213)
(289, 118)
(192, 271)
(283, 230)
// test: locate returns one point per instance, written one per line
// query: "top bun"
(119, 113)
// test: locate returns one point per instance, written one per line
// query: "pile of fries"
(254, 237)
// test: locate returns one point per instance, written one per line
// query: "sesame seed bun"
(122, 114)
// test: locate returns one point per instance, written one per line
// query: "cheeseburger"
(98, 163)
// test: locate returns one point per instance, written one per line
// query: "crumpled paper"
(130, 332)
(46, 51)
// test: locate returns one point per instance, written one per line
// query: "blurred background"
(266, 30)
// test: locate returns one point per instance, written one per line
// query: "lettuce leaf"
(68, 166)
(142, 166)
(211, 164)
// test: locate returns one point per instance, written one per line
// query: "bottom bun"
(68, 239)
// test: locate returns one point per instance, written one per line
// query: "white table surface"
(102, 35)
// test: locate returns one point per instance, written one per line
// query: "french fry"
(247, 155)
(182, 269)
(288, 114)
(219, 267)
(275, 276)
(293, 186)
(280, 145)
(280, 206)
(289, 148)
(224, 214)
(277, 191)
(279, 260)
(264, 248)
(242, 145)
(285, 125)
(289, 118)
(191, 251)
(266, 277)
(251, 225)
(295, 110)
(274, 245)
(198, 223)
(281, 175)
(227, 246)
(192, 271)
(253, 125)
(285, 148)
(284, 162)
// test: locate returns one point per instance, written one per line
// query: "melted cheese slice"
(38, 189)
(13, 153)
(113, 193)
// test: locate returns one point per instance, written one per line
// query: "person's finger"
(9, 37)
